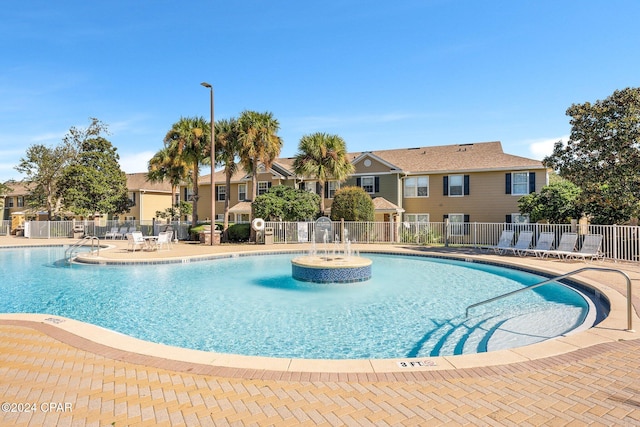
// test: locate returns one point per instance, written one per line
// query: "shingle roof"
(138, 181)
(381, 204)
(480, 156)
(462, 157)
(18, 188)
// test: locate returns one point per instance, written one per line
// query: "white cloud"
(135, 162)
(540, 148)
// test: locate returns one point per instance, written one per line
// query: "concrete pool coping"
(612, 329)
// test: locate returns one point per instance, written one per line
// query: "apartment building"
(476, 182)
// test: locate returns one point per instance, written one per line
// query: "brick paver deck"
(49, 376)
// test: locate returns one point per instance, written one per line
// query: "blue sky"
(380, 74)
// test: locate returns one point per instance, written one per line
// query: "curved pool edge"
(610, 330)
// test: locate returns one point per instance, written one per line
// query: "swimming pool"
(412, 307)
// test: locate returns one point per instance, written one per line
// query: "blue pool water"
(412, 307)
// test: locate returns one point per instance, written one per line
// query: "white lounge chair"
(523, 242)
(590, 248)
(544, 244)
(566, 247)
(504, 243)
(135, 240)
(113, 233)
(122, 233)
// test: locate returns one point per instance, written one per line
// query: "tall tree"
(602, 156)
(322, 157)
(282, 203)
(556, 203)
(166, 165)
(227, 151)
(259, 143)
(43, 167)
(190, 140)
(94, 182)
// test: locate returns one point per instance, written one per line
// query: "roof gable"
(368, 162)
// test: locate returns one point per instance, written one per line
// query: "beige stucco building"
(462, 183)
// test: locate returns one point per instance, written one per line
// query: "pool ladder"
(73, 249)
(563, 276)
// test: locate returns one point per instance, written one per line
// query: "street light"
(213, 165)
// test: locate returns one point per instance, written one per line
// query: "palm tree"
(189, 138)
(259, 143)
(323, 157)
(166, 165)
(227, 150)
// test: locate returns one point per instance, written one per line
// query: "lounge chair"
(504, 243)
(113, 233)
(566, 247)
(123, 232)
(545, 241)
(523, 242)
(590, 248)
(135, 240)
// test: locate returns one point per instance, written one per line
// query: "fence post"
(614, 241)
(446, 232)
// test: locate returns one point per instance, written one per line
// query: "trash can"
(268, 235)
(78, 231)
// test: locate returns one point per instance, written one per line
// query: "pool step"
(458, 336)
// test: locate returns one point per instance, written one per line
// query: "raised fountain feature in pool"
(338, 265)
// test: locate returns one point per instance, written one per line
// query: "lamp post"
(213, 167)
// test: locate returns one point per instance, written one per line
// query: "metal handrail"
(69, 252)
(563, 276)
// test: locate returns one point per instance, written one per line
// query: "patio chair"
(113, 233)
(523, 242)
(135, 240)
(504, 243)
(590, 248)
(566, 247)
(164, 239)
(545, 241)
(123, 232)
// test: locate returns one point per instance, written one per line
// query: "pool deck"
(72, 373)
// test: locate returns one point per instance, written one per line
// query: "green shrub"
(352, 204)
(239, 232)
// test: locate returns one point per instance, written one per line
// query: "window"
(132, 198)
(416, 217)
(332, 187)
(242, 218)
(416, 186)
(520, 183)
(309, 186)
(368, 184)
(456, 222)
(188, 194)
(518, 218)
(20, 201)
(242, 192)
(9, 202)
(456, 185)
(221, 192)
(263, 187)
